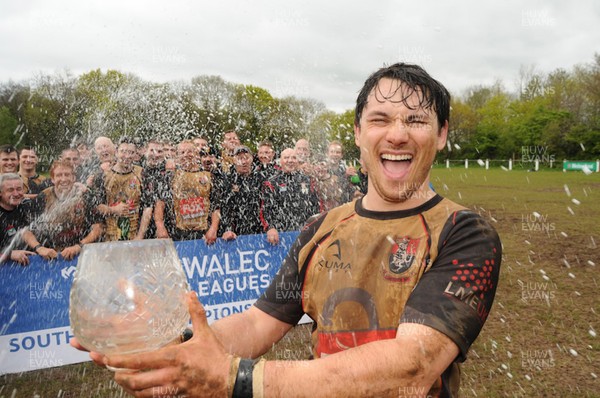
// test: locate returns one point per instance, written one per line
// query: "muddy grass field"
(541, 338)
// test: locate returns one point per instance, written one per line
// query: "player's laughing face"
(398, 140)
(188, 157)
(126, 154)
(63, 179)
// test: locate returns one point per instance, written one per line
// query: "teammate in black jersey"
(15, 215)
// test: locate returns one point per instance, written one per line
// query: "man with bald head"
(303, 153)
(105, 152)
(231, 140)
(102, 159)
(289, 198)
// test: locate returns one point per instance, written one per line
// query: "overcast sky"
(318, 49)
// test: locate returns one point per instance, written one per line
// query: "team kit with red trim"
(348, 266)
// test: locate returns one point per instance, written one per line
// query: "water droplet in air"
(586, 170)
(576, 201)
(573, 352)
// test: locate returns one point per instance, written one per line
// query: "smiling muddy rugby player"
(398, 283)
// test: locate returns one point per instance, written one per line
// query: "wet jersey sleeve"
(455, 295)
(283, 297)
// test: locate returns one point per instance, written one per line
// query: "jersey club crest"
(403, 254)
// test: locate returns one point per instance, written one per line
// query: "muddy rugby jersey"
(190, 200)
(114, 188)
(359, 274)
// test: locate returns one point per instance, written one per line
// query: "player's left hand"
(210, 236)
(69, 253)
(196, 368)
(229, 235)
(47, 253)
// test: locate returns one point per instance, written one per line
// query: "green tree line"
(557, 113)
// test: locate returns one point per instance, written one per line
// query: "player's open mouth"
(396, 165)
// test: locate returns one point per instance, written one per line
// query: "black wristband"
(243, 382)
(37, 247)
(186, 335)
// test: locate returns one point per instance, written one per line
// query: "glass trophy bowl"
(128, 296)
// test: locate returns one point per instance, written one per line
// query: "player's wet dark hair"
(7, 148)
(27, 148)
(432, 94)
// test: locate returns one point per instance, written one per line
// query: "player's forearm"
(159, 214)
(94, 235)
(105, 210)
(215, 219)
(241, 336)
(378, 369)
(30, 239)
(144, 222)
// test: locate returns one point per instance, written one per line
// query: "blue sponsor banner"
(34, 300)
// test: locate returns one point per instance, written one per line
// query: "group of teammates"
(136, 190)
